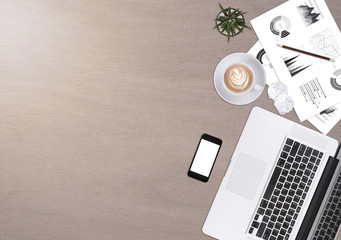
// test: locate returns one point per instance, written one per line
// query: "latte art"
(238, 78)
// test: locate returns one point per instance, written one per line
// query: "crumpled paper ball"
(276, 89)
(282, 101)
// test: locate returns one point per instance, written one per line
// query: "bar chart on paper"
(313, 92)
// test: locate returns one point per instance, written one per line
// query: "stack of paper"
(314, 84)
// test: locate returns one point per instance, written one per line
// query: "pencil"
(308, 53)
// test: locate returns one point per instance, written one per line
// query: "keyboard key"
(251, 230)
(268, 212)
(273, 218)
(310, 166)
(281, 162)
(288, 199)
(313, 159)
(275, 232)
(294, 186)
(305, 159)
(271, 224)
(278, 226)
(291, 193)
(287, 185)
(283, 212)
(261, 230)
(272, 183)
(288, 218)
(293, 205)
(271, 205)
(286, 148)
(280, 219)
(307, 172)
(291, 212)
(255, 224)
(265, 219)
(308, 152)
(264, 203)
(315, 153)
(281, 198)
(276, 211)
(295, 165)
(279, 186)
(294, 148)
(290, 159)
(289, 141)
(284, 155)
(290, 178)
(281, 179)
(267, 234)
(287, 166)
(301, 150)
(261, 211)
(299, 192)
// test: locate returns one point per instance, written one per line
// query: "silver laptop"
(283, 182)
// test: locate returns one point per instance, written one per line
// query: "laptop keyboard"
(285, 194)
(331, 219)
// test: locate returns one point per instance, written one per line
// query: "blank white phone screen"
(204, 158)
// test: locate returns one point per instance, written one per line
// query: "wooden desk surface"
(102, 105)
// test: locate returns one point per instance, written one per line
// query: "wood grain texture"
(102, 105)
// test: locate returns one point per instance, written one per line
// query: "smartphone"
(204, 157)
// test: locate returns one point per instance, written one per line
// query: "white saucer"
(247, 96)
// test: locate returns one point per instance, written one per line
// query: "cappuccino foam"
(238, 78)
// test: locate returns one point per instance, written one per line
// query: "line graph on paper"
(313, 92)
(325, 43)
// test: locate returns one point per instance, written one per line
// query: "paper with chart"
(313, 84)
(258, 52)
(323, 121)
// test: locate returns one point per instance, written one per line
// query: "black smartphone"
(204, 157)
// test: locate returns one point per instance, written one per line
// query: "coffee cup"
(239, 78)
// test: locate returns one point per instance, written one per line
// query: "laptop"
(283, 182)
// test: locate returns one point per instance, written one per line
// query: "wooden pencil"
(305, 52)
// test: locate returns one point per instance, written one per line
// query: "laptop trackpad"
(246, 176)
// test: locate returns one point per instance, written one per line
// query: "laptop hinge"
(338, 153)
(317, 199)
